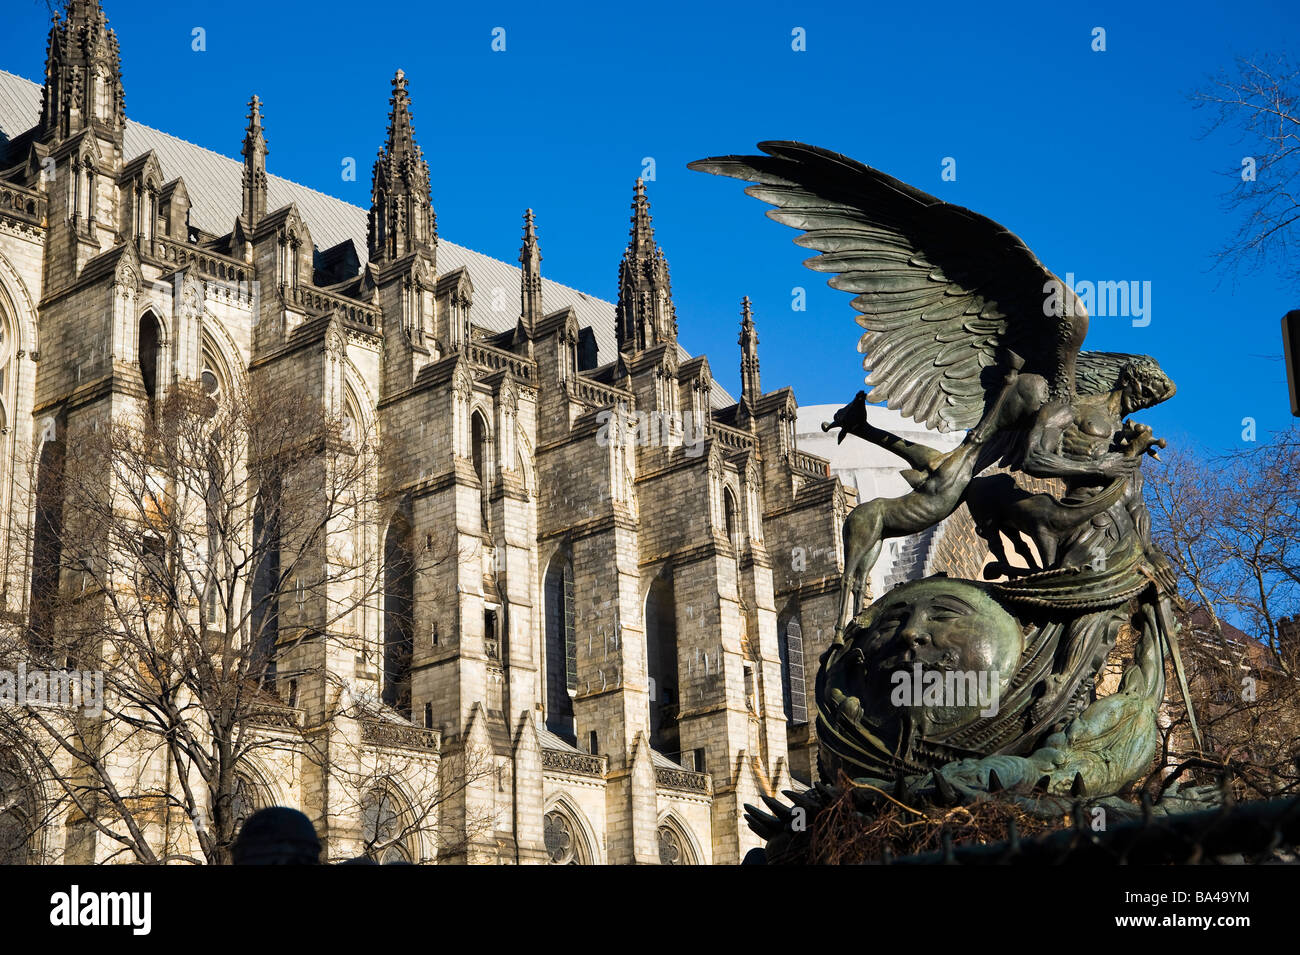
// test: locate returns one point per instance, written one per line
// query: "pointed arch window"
(478, 447)
(350, 426)
(265, 611)
(561, 649)
(213, 498)
(565, 844)
(661, 664)
(731, 518)
(794, 691)
(47, 541)
(149, 352)
(386, 827)
(674, 848)
(480, 456)
(17, 813)
(8, 401)
(399, 614)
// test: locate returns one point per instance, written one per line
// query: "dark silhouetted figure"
(277, 836)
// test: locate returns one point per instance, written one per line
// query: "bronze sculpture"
(966, 329)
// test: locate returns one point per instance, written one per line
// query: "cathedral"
(642, 570)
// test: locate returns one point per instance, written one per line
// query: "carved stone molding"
(682, 779)
(580, 764)
(379, 733)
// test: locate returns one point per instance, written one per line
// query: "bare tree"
(210, 557)
(1260, 99)
(1248, 709)
(402, 802)
(1231, 526)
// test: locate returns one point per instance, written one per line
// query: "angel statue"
(966, 330)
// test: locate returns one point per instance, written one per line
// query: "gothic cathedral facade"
(625, 629)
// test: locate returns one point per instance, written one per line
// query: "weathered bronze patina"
(965, 330)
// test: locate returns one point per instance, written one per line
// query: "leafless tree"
(1260, 100)
(210, 554)
(1231, 525)
(1248, 710)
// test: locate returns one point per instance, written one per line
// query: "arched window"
(478, 446)
(561, 649)
(264, 614)
(674, 847)
(6, 388)
(150, 335)
(399, 611)
(794, 692)
(350, 430)
(565, 844)
(47, 541)
(478, 442)
(731, 518)
(17, 812)
(385, 827)
(246, 798)
(211, 384)
(661, 664)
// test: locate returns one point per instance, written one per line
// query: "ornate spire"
(530, 282)
(401, 136)
(83, 75)
(401, 212)
(254, 152)
(644, 315)
(643, 230)
(750, 389)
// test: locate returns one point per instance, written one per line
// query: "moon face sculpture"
(929, 658)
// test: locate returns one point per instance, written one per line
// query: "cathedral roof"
(213, 182)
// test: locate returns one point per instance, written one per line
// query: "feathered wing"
(945, 293)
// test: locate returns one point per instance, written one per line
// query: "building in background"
(626, 630)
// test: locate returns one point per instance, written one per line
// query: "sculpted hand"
(1165, 574)
(1118, 465)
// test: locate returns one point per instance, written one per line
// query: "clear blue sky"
(1095, 159)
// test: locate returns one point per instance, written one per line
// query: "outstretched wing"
(945, 293)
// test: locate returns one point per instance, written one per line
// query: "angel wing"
(945, 293)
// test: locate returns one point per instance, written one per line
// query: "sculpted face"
(926, 659)
(1144, 385)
